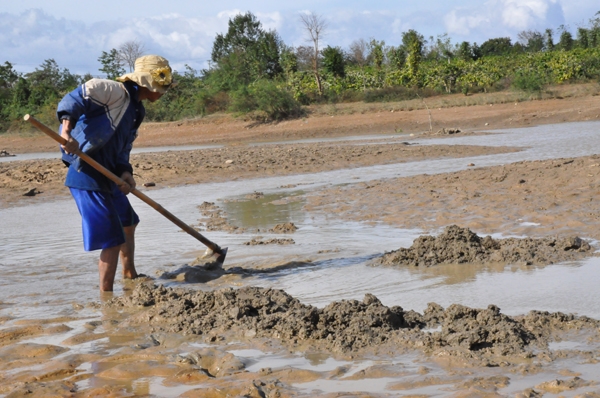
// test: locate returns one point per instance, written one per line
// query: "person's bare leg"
(107, 267)
(127, 253)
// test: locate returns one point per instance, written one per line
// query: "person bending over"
(101, 118)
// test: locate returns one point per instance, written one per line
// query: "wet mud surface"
(189, 338)
(348, 326)
(193, 340)
(173, 168)
(456, 245)
(556, 197)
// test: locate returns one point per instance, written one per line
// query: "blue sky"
(75, 32)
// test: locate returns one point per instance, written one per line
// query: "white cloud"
(397, 26)
(186, 37)
(504, 18)
(521, 14)
(271, 20)
(463, 25)
(28, 39)
(228, 14)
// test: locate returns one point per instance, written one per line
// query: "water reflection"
(264, 211)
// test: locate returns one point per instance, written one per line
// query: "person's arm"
(102, 103)
(70, 108)
(72, 145)
(124, 169)
(130, 182)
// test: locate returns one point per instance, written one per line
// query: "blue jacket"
(107, 115)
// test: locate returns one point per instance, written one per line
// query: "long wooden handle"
(52, 134)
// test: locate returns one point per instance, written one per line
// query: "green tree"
(8, 79)
(184, 100)
(8, 75)
(333, 61)
(548, 40)
(476, 49)
(248, 48)
(531, 40)
(496, 46)
(413, 43)
(441, 48)
(288, 60)
(19, 99)
(465, 51)
(583, 39)
(37, 92)
(595, 31)
(266, 101)
(112, 65)
(48, 83)
(376, 53)
(566, 40)
(397, 57)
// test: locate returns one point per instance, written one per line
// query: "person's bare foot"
(137, 276)
(131, 275)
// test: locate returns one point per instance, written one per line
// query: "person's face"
(151, 96)
(154, 96)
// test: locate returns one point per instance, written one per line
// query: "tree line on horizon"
(253, 72)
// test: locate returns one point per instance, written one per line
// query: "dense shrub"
(274, 96)
(528, 81)
(265, 101)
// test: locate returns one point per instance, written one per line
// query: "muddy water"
(46, 274)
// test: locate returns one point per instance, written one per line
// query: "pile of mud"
(343, 326)
(284, 228)
(458, 245)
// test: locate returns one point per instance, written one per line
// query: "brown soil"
(476, 112)
(347, 326)
(458, 245)
(557, 194)
(238, 160)
(557, 197)
(45, 177)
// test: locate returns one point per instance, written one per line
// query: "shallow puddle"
(260, 211)
(256, 360)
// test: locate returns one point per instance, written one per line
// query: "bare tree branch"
(315, 25)
(130, 51)
(358, 51)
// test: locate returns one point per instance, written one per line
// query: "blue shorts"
(103, 216)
